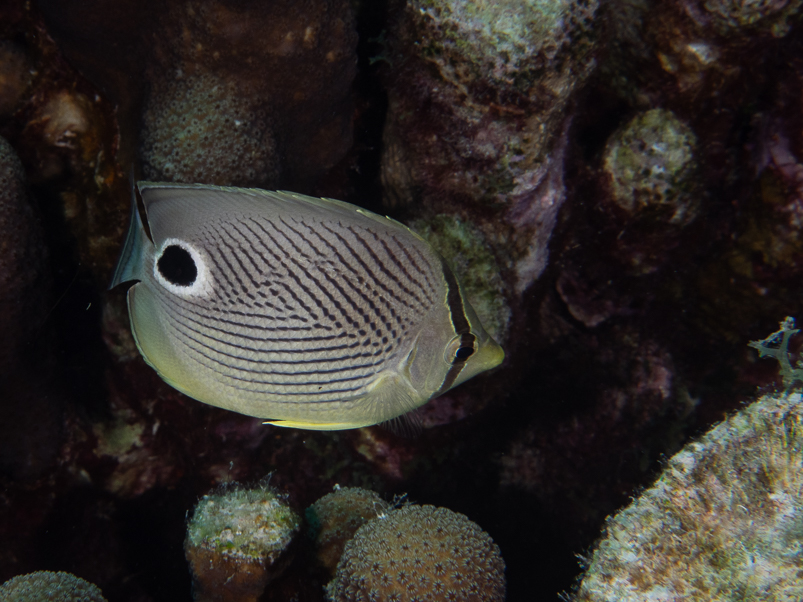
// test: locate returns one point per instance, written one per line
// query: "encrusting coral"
(652, 188)
(45, 586)
(335, 518)
(200, 129)
(479, 96)
(723, 522)
(651, 166)
(237, 542)
(419, 552)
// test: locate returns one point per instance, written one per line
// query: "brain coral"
(337, 516)
(418, 553)
(44, 586)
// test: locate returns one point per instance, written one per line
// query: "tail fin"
(130, 262)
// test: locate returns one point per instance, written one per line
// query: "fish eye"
(460, 348)
(177, 266)
(463, 353)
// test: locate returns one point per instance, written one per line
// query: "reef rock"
(479, 102)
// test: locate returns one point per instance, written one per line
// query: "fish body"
(307, 312)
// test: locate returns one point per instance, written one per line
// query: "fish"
(305, 312)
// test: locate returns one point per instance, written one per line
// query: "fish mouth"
(492, 354)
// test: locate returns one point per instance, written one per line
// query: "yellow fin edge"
(314, 426)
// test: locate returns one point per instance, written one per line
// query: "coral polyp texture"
(723, 522)
(335, 518)
(419, 553)
(200, 129)
(46, 586)
(479, 100)
(651, 167)
(237, 542)
(233, 87)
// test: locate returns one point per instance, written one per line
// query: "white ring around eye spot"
(201, 286)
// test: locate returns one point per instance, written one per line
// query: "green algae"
(247, 523)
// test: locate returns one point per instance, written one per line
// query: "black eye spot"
(177, 266)
(464, 353)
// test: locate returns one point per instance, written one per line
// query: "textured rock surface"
(723, 520)
(478, 105)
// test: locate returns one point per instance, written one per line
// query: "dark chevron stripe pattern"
(305, 309)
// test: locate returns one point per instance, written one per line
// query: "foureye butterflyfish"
(307, 312)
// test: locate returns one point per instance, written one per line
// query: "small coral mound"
(237, 542)
(724, 521)
(418, 553)
(201, 130)
(44, 586)
(336, 517)
(651, 166)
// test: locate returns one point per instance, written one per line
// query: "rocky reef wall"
(618, 184)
